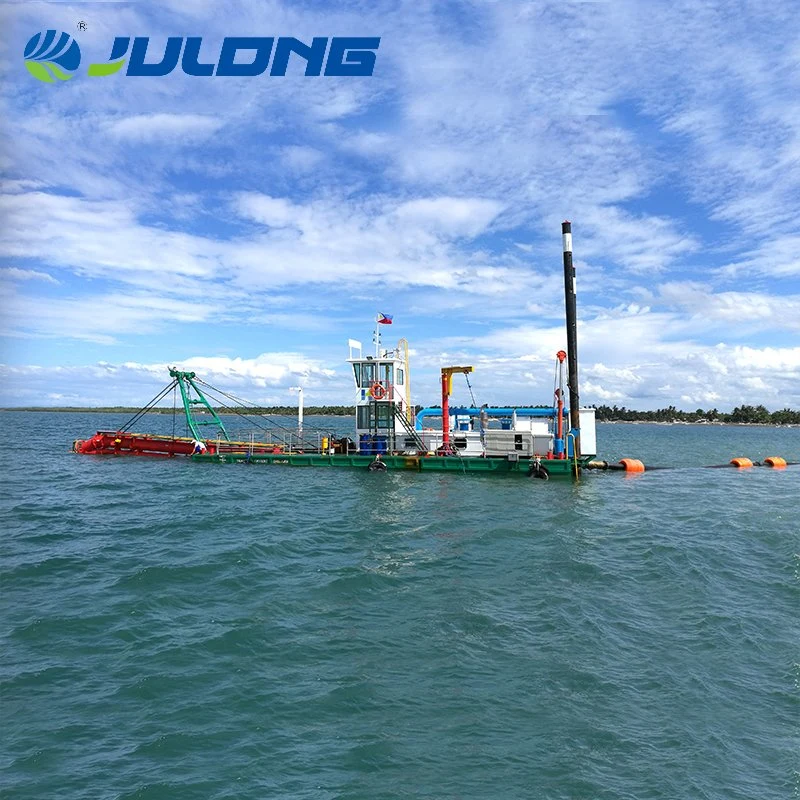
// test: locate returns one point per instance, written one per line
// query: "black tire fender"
(538, 471)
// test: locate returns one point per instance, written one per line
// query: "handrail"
(575, 472)
(409, 430)
(544, 413)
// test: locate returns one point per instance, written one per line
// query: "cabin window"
(400, 376)
(366, 416)
(367, 375)
(357, 374)
(386, 374)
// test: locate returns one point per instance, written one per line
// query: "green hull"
(556, 468)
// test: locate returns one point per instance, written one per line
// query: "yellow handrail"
(402, 346)
(574, 456)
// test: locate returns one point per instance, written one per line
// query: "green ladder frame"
(185, 381)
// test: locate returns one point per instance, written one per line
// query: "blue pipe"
(492, 412)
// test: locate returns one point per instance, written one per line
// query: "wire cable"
(472, 396)
(142, 411)
(243, 403)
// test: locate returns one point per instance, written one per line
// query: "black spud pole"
(572, 335)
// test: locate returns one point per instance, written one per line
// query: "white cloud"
(376, 241)
(96, 237)
(99, 318)
(263, 379)
(177, 128)
(276, 212)
(16, 274)
(646, 244)
(452, 216)
(602, 394)
(301, 158)
(684, 374)
(14, 186)
(738, 313)
(777, 256)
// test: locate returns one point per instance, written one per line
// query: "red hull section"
(135, 444)
(114, 443)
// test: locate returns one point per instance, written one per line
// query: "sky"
(247, 227)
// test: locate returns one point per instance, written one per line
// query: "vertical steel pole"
(445, 410)
(572, 335)
(561, 356)
(300, 410)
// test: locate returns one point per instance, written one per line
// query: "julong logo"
(52, 54)
(49, 54)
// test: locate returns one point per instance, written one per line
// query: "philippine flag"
(385, 319)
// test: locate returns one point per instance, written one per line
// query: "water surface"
(171, 629)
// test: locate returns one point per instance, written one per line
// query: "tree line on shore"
(758, 415)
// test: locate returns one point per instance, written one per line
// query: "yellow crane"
(447, 389)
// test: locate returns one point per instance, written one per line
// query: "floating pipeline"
(776, 462)
(625, 465)
(633, 465)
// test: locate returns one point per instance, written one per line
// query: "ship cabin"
(382, 397)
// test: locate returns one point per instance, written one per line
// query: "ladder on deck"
(411, 432)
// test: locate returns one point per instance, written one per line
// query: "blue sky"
(247, 227)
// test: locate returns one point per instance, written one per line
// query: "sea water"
(180, 630)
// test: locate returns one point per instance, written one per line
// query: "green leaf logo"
(52, 56)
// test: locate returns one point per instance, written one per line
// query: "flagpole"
(299, 390)
(377, 336)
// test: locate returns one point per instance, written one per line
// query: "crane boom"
(447, 389)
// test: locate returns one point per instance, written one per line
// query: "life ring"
(377, 390)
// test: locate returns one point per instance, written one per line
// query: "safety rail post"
(574, 456)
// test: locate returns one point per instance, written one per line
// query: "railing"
(286, 441)
(575, 470)
(408, 430)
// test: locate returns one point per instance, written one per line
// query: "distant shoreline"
(266, 412)
(343, 411)
(705, 424)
